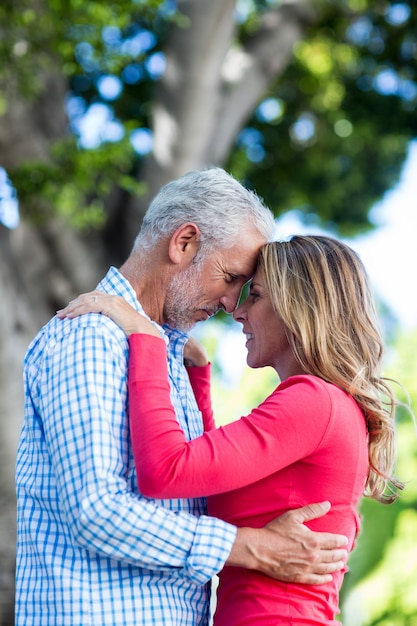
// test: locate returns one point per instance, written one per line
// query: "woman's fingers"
(91, 302)
(114, 307)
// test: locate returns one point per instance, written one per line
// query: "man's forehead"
(243, 269)
(243, 257)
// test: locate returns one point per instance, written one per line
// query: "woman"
(325, 433)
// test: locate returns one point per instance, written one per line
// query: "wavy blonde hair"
(320, 289)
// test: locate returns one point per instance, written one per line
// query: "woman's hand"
(115, 307)
(194, 354)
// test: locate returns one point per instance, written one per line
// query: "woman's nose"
(239, 313)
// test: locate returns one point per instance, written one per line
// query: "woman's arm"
(200, 378)
(273, 436)
(130, 321)
(199, 373)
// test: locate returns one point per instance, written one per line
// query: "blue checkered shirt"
(91, 549)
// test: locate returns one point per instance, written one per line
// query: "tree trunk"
(16, 329)
(211, 86)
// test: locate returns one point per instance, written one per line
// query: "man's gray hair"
(215, 201)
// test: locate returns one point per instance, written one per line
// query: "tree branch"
(248, 72)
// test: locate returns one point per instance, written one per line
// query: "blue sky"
(390, 253)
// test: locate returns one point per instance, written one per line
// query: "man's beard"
(182, 294)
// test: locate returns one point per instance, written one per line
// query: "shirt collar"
(114, 282)
(177, 340)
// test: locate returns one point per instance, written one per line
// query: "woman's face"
(266, 339)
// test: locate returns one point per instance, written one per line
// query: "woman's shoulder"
(315, 390)
(308, 381)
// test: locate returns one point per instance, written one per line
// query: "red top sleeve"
(287, 426)
(200, 382)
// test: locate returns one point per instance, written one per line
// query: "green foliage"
(386, 592)
(380, 586)
(345, 107)
(76, 182)
(346, 113)
(402, 362)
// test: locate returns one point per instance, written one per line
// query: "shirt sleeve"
(200, 378)
(84, 420)
(287, 426)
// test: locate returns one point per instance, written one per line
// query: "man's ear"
(184, 244)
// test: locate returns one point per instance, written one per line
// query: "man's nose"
(228, 305)
(229, 301)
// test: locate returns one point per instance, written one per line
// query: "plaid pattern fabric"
(91, 550)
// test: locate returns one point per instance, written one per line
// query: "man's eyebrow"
(245, 277)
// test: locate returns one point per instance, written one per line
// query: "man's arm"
(289, 551)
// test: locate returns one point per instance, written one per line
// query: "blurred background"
(310, 102)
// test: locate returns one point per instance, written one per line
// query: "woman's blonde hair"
(320, 289)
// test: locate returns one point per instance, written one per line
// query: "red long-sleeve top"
(307, 442)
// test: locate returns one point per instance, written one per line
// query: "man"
(91, 549)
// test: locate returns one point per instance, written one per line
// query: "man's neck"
(149, 286)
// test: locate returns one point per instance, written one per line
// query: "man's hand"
(194, 353)
(288, 551)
